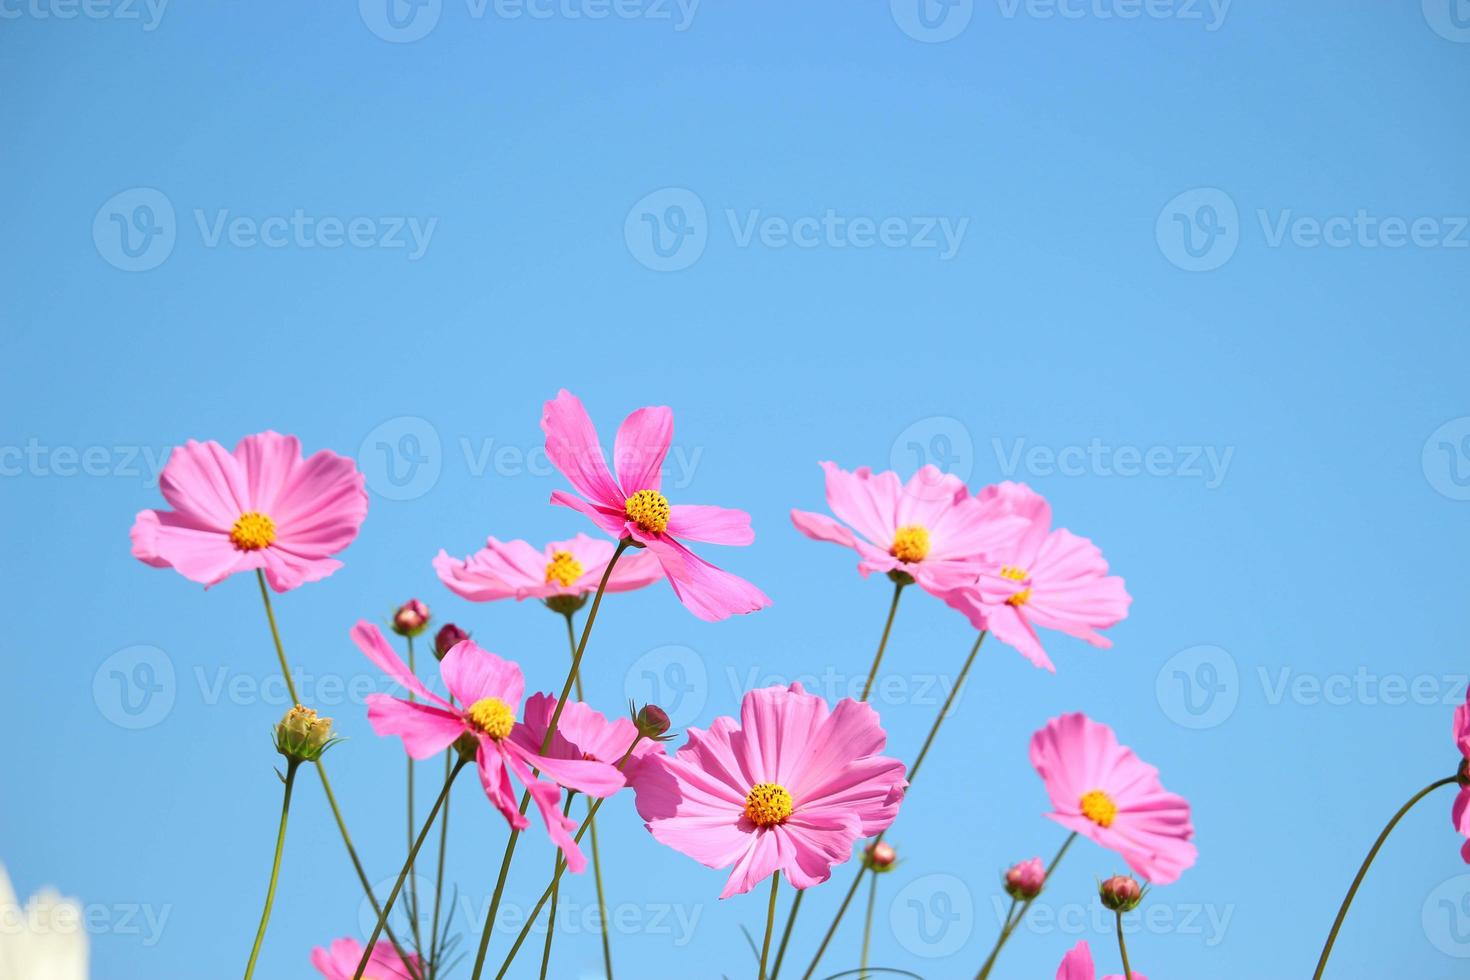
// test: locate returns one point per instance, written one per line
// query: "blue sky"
(1194, 271)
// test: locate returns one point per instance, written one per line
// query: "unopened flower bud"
(302, 735)
(879, 857)
(652, 722)
(446, 638)
(1024, 879)
(411, 619)
(1121, 893)
(565, 604)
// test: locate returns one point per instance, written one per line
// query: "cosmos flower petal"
(820, 527)
(708, 592)
(572, 446)
(472, 673)
(426, 730)
(641, 445)
(715, 525)
(370, 641)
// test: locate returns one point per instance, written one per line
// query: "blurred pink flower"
(261, 506)
(1460, 812)
(1024, 879)
(790, 787)
(339, 962)
(515, 569)
(583, 733)
(1103, 791)
(488, 691)
(1044, 577)
(930, 528)
(632, 506)
(1077, 965)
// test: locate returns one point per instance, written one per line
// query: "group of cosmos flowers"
(787, 789)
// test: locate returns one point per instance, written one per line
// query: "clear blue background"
(1332, 545)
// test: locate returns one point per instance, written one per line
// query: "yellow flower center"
(493, 717)
(1099, 807)
(910, 543)
(767, 804)
(563, 569)
(253, 531)
(1016, 575)
(649, 509)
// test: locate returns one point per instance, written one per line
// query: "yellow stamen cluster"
(1099, 807)
(1016, 575)
(767, 804)
(649, 509)
(910, 543)
(563, 569)
(493, 717)
(252, 531)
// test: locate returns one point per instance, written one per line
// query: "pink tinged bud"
(879, 857)
(411, 618)
(446, 638)
(1025, 879)
(1121, 893)
(652, 722)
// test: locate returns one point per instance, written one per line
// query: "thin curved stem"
(770, 922)
(868, 926)
(413, 883)
(913, 773)
(1363, 870)
(1123, 948)
(321, 771)
(367, 950)
(1013, 922)
(883, 643)
(432, 967)
(555, 897)
(561, 703)
(592, 828)
(270, 892)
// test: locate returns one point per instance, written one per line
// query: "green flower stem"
(561, 703)
(1014, 921)
(555, 897)
(592, 828)
(432, 967)
(321, 770)
(367, 950)
(413, 884)
(913, 773)
(1363, 870)
(1123, 948)
(270, 892)
(770, 922)
(868, 926)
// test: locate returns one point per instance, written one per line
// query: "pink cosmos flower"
(515, 569)
(1103, 791)
(261, 506)
(339, 962)
(1077, 965)
(488, 691)
(1460, 812)
(789, 788)
(584, 733)
(632, 506)
(1044, 577)
(930, 528)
